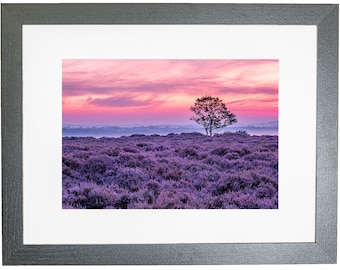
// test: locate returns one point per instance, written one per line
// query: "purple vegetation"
(185, 171)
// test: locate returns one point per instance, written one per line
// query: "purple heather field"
(176, 171)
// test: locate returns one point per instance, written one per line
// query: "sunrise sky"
(159, 92)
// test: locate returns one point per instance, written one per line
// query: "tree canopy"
(212, 113)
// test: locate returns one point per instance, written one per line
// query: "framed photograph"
(169, 134)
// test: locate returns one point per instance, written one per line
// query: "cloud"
(153, 88)
(121, 101)
(273, 90)
(110, 77)
(71, 88)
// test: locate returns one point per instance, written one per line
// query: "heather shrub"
(188, 152)
(130, 150)
(123, 202)
(172, 200)
(151, 193)
(88, 195)
(242, 151)
(199, 185)
(71, 162)
(221, 151)
(221, 187)
(66, 170)
(211, 160)
(259, 156)
(245, 201)
(265, 190)
(216, 202)
(173, 173)
(95, 168)
(208, 176)
(112, 152)
(130, 179)
(268, 203)
(141, 145)
(231, 155)
(153, 187)
(96, 165)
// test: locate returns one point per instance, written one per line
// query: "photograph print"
(170, 133)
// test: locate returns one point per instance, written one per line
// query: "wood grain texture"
(327, 128)
(11, 127)
(325, 17)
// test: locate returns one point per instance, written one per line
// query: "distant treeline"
(117, 131)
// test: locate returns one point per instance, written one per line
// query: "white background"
(45, 46)
(224, 267)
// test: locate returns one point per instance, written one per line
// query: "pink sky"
(153, 92)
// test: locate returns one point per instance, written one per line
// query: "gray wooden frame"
(324, 250)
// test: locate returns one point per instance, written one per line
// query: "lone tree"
(212, 113)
